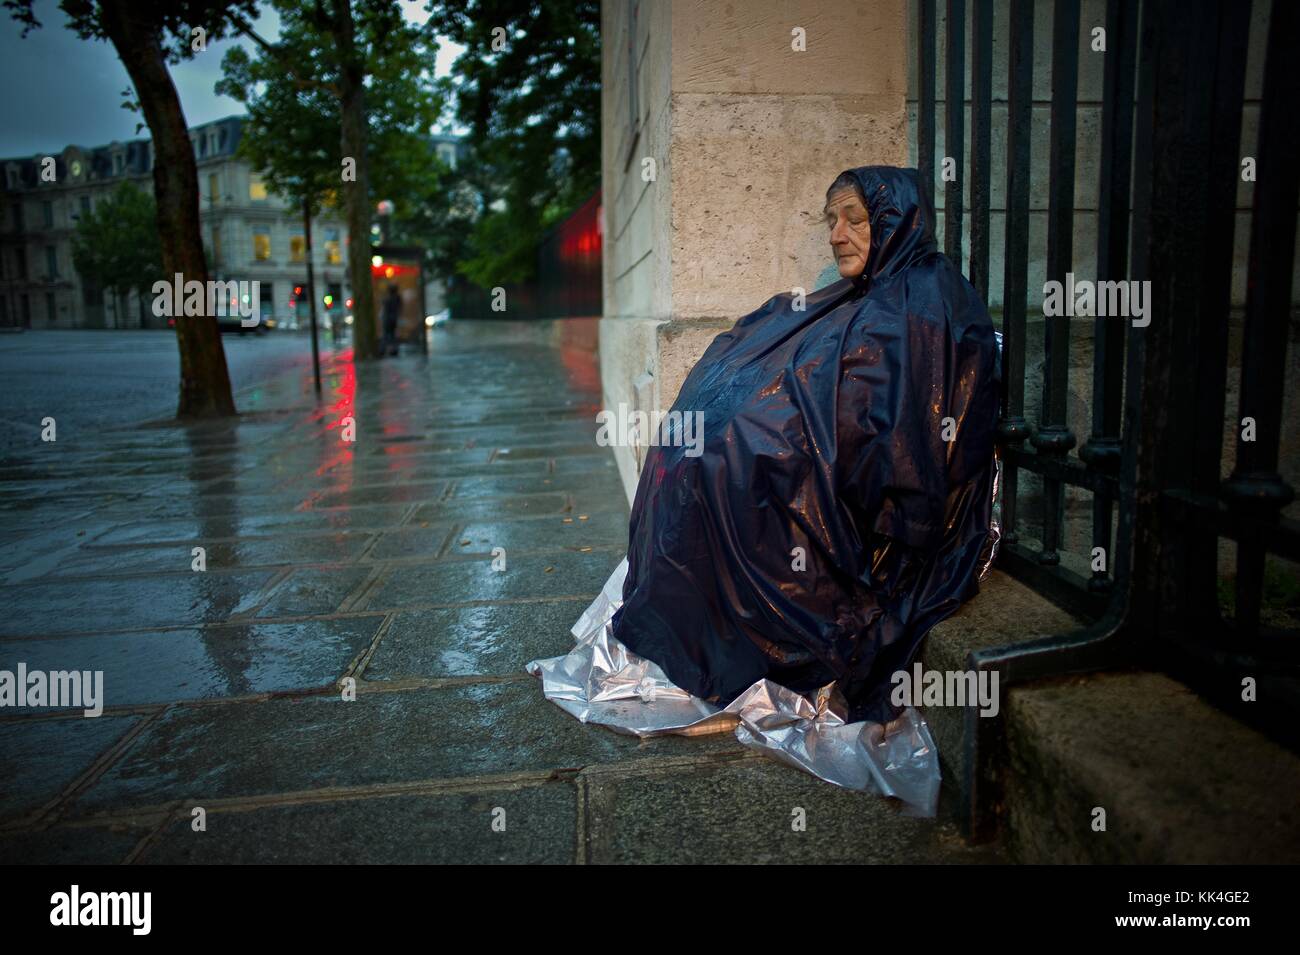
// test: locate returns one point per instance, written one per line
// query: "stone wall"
(746, 133)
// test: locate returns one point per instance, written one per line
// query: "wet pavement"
(344, 681)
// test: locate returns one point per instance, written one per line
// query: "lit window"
(297, 249)
(256, 187)
(261, 246)
(333, 254)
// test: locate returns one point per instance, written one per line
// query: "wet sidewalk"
(344, 681)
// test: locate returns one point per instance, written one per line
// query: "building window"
(214, 189)
(51, 262)
(262, 246)
(49, 307)
(297, 249)
(256, 188)
(21, 253)
(119, 163)
(333, 254)
(216, 245)
(85, 205)
(47, 213)
(12, 173)
(267, 300)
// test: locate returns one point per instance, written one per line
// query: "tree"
(147, 35)
(347, 50)
(293, 128)
(528, 88)
(116, 245)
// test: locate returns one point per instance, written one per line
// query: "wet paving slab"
(489, 639)
(168, 666)
(125, 603)
(560, 574)
(102, 845)
(39, 759)
(313, 590)
(755, 812)
(170, 558)
(523, 825)
(287, 745)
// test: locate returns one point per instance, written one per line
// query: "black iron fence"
(1152, 467)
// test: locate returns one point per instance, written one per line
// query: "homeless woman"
(838, 504)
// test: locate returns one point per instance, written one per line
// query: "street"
(92, 380)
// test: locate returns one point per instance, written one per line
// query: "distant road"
(100, 379)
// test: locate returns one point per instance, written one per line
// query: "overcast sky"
(60, 90)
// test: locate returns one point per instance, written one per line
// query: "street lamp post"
(311, 292)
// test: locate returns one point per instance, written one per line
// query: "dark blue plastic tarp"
(825, 525)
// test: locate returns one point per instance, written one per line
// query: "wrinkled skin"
(850, 227)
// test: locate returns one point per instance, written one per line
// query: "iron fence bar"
(1063, 470)
(1255, 486)
(1226, 73)
(1102, 449)
(1277, 535)
(954, 125)
(1012, 427)
(1053, 435)
(981, 147)
(925, 93)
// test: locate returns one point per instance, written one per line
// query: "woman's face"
(850, 228)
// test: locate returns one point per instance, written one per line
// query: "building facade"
(249, 234)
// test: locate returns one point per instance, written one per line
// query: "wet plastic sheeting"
(831, 504)
(601, 681)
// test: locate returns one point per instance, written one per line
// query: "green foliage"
(116, 245)
(293, 130)
(175, 20)
(533, 111)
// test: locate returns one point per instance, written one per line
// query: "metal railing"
(1170, 162)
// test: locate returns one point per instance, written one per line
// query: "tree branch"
(276, 53)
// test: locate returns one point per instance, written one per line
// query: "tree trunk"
(205, 382)
(353, 115)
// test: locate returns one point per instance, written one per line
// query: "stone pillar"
(719, 139)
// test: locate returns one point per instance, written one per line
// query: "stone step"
(1179, 780)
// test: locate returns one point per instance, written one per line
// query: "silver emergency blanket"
(601, 681)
